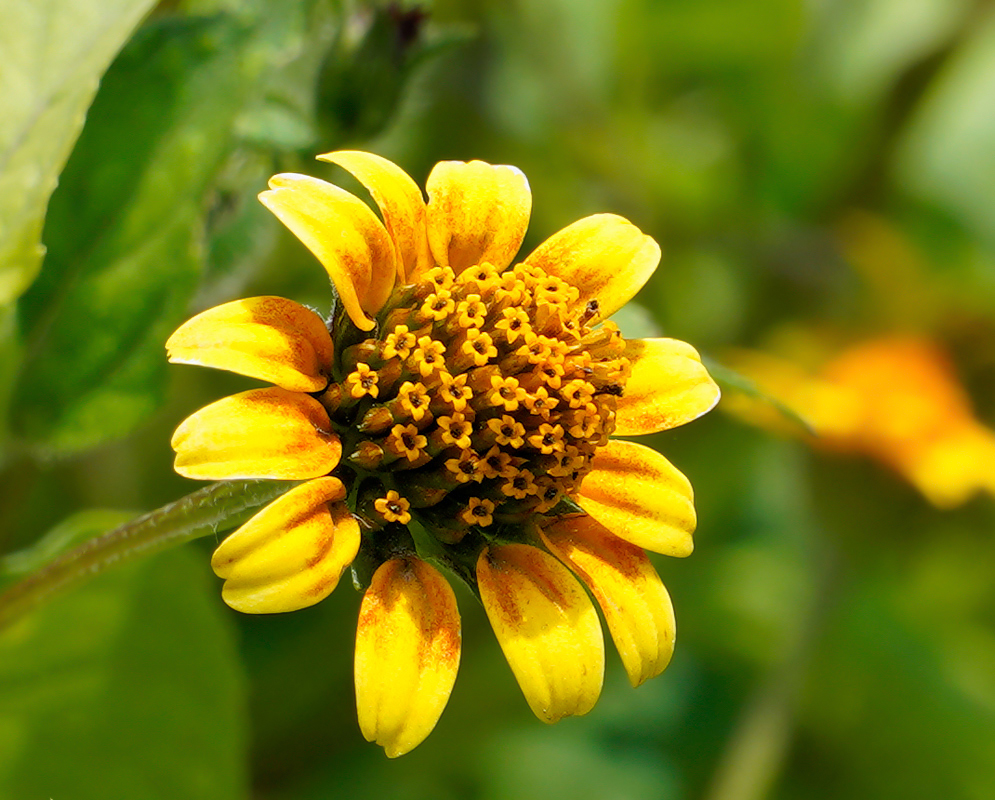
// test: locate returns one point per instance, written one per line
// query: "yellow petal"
(400, 202)
(605, 256)
(291, 554)
(269, 338)
(639, 496)
(262, 433)
(632, 597)
(668, 387)
(346, 236)
(477, 213)
(407, 654)
(546, 626)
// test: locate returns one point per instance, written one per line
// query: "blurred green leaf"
(947, 155)
(363, 78)
(54, 53)
(126, 688)
(124, 233)
(868, 44)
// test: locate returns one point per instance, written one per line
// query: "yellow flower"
(472, 398)
(896, 399)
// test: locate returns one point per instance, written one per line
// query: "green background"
(836, 633)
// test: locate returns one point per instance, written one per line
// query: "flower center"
(479, 403)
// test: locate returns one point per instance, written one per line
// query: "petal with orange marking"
(641, 497)
(605, 256)
(669, 386)
(350, 242)
(262, 433)
(292, 553)
(269, 338)
(632, 597)
(477, 213)
(546, 626)
(400, 202)
(407, 654)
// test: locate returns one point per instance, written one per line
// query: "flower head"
(471, 399)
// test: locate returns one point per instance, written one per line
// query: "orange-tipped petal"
(632, 597)
(639, 496)
(668, 387)
(407, 654)
(546, 626)
(477, 213)
(350, 242)
(605, 256)
(400, 202)
(292, 553)
(262, 433)
(269, 338)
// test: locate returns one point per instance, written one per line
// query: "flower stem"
(213, 509)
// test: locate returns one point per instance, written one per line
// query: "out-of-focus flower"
(895, 399)
(471, 400)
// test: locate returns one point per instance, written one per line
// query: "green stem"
(213, 509)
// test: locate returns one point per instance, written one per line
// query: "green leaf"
(947, 155)
(54, 53)
(126, 688)
(124, 233)
(868, 45)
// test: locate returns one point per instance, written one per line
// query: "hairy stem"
(213, 509)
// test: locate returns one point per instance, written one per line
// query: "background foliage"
(819, 167)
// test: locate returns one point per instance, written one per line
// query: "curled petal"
(400, 202)
(546, 626)
(668, 387)
(407, 654)
(477, 213)
(262, 433)
(632, 597)
(639, 496)
(291, 554)
(345, 235)
(605, 256)
(269, 338)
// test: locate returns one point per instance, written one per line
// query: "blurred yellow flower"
(472, 400)
(895, 399)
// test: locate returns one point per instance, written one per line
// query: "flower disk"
(462, 405)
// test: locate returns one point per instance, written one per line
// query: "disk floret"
(477, 403)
